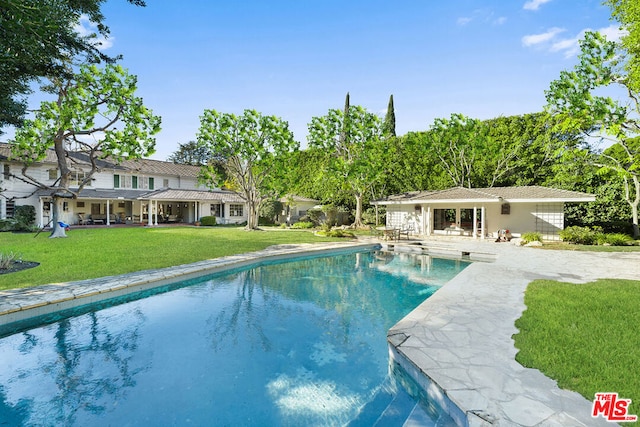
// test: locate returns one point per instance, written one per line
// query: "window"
(116, 181)
(134, 182)
(53, 174)
(77, 177)
(11, 208)
(6, 171)
(215, 210)
(80, 204)
(236, 210)
(165, 182)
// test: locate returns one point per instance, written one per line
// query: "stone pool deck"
(461, 337)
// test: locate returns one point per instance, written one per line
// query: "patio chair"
(82, 220)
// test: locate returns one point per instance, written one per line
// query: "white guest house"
(481, 212)
(140, 191)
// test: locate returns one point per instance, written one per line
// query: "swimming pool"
(291, 343)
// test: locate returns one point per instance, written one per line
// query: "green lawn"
(587, 336)
(97, 252)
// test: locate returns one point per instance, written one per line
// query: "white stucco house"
(295, 207)
(481, 212)
(134, 191)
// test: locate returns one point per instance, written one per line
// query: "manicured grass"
(586, 336)
(590, 248)
(97, 252)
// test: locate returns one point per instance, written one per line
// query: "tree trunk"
(57, 209)
(357, 223)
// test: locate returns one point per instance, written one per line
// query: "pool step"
(398, 410)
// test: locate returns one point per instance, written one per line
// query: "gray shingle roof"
(493, 194)
(144, 166)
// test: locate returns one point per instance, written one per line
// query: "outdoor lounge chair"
(82, 220)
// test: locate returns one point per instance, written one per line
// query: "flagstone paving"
(461, 337)
(458, 343)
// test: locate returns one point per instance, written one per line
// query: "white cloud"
(464, 20)
(570, 46)
(534, 4)
(612, 33)
(501, 20)
(536, 39)
(86, 28)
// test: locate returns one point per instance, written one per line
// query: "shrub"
(7, 224)
(578, 235)
(208, 221)
(336, 233)
(303, 224)
(618, 239)
(532, 236)
(6, 259)
(25, 218)
(314, 215)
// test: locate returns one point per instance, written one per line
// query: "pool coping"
(20, 304)
(459, 346)
(468, 322)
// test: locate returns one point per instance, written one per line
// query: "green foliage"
(577, 100)
(270, 209)
(256, 148)
(618, 239)
(354, 149)
(389, 124)
(96, 109)
(208, 221)
(303, 225)
(25, 216)
(336, 233)
(532, 236)
(593, 236)
(578, 235)
(579, 335)
(315, 215)
(627, 13)
(37, 38)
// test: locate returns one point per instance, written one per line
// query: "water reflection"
(300, 343)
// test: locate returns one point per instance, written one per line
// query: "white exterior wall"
(545, 218)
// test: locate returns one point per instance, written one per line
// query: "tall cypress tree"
(344, 135)
(389, 125)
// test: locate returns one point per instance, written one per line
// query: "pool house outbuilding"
(481, 212)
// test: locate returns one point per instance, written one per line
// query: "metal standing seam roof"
(493, 194)
(192, 195)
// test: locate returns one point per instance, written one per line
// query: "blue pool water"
(290, 343)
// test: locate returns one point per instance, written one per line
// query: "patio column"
(108, 220)
(3, 209)
(483, 227)
(141, 213)
(427, 223)
(475, 222)
(155, 213)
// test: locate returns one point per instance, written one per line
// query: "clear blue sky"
(298, 58)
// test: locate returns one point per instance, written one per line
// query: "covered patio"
(481, 212)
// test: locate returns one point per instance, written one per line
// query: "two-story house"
(133, 191)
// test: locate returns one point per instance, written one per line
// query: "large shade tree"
(354, 147)
(255, 147)
(577, 99)
(96, 115)
(37, 38)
